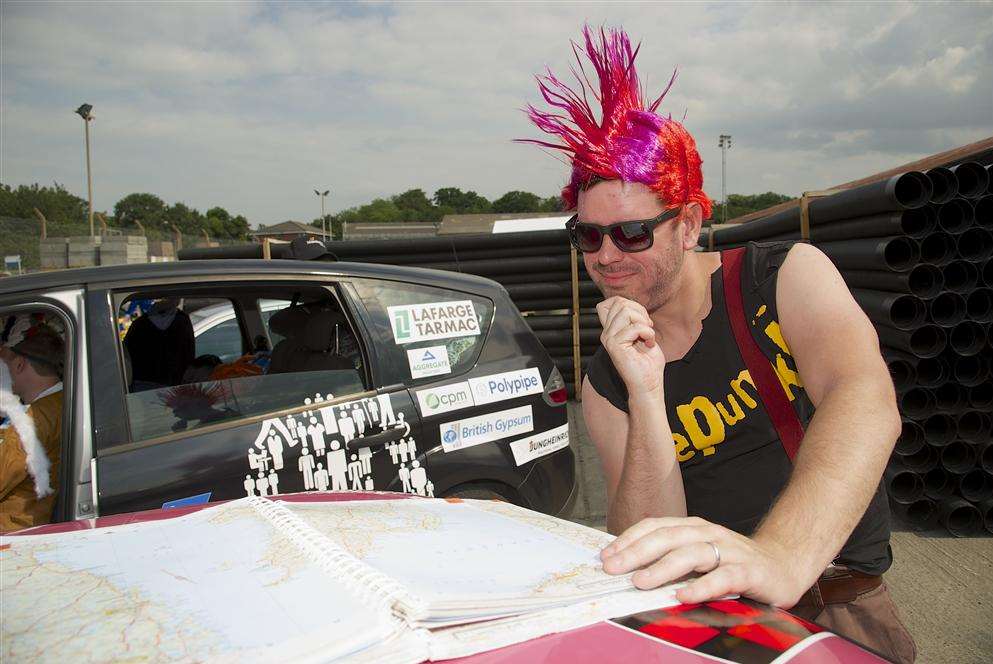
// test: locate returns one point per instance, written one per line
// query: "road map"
(220, 584)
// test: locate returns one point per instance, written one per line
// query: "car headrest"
(318, 333)
(308, 325)
(286, 321)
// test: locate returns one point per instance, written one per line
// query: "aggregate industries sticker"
(486, 428)
(435, 320)
(430, 361)
(538, 445)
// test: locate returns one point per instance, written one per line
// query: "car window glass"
(430, 326)
(297, 351)
(217, 333)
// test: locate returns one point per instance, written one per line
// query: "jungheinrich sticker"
(430, 361)
(444, 399)
(435, 320)
(486, 428)
(507, 385)
(538, 445)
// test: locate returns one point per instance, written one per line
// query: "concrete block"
(161, 248)
(54, 253)
(84, 258)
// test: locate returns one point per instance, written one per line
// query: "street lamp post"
(725, 144)
(84, 112)
(322, 196)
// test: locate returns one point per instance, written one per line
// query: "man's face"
(15, 365)
(648, 277)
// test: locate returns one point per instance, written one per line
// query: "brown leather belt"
(838, 587)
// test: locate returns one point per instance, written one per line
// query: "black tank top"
(732, 461)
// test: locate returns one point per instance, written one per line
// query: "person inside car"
(161, 345)
(695, 399)
(31, 437)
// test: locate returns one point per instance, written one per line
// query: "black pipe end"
(911, 189)
(955, 216)
(975, 244)
(960, 276)
(901, 254)
(982, 212)
(973, 179)
(944, 184)
(937, 249)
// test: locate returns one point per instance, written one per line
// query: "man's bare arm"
(851, 436)
(638, 458)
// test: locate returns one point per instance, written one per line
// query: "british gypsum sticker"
(486, 428)
(434, 320)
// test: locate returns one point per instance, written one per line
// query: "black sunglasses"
(628, 236)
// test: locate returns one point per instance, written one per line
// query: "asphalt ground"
(942, 585)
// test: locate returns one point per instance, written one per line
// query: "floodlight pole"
(84, 112)
(725, 144)
(324, 229)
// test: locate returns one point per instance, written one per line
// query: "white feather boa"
(37, 461)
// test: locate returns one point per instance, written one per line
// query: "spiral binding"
(369, 585)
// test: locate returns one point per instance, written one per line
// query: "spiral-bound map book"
(260, 580)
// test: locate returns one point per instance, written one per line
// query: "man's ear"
(692, 221)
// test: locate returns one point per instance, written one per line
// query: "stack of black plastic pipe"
(916, 252)
(534, 267)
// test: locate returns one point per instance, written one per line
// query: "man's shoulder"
(47, 415)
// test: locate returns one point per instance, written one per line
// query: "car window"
(184, 375)
(219, 334)
(437, 331)
(38, 336)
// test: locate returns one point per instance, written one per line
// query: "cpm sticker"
(486, 428)
(507, 385)
(434, 320)
(539, 445)
(444, 399)
(431, 361)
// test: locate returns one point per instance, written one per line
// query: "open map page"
(221, 585)
(470, 559)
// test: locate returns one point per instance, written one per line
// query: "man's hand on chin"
(666, 549)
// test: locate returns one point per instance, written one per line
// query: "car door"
(286, 423)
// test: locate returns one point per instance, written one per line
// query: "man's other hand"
(666, 549)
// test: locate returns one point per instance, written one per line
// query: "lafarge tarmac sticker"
(486, 428)
(430, 361)
(435, 320)
(508, 385)
(538, 445)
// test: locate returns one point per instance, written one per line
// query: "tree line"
(414, 205)
(64, 209)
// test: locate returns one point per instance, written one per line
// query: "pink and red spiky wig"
(631, 143)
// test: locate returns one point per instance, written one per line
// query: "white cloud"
(252, 105)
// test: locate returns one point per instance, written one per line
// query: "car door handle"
(376, 440)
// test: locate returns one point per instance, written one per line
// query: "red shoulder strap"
(767, 383)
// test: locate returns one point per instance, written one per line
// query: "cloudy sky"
(252, 105)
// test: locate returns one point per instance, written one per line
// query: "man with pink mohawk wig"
(740, 406)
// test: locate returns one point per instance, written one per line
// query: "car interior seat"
(308, 344)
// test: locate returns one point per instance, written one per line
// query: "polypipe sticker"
(507, 385)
